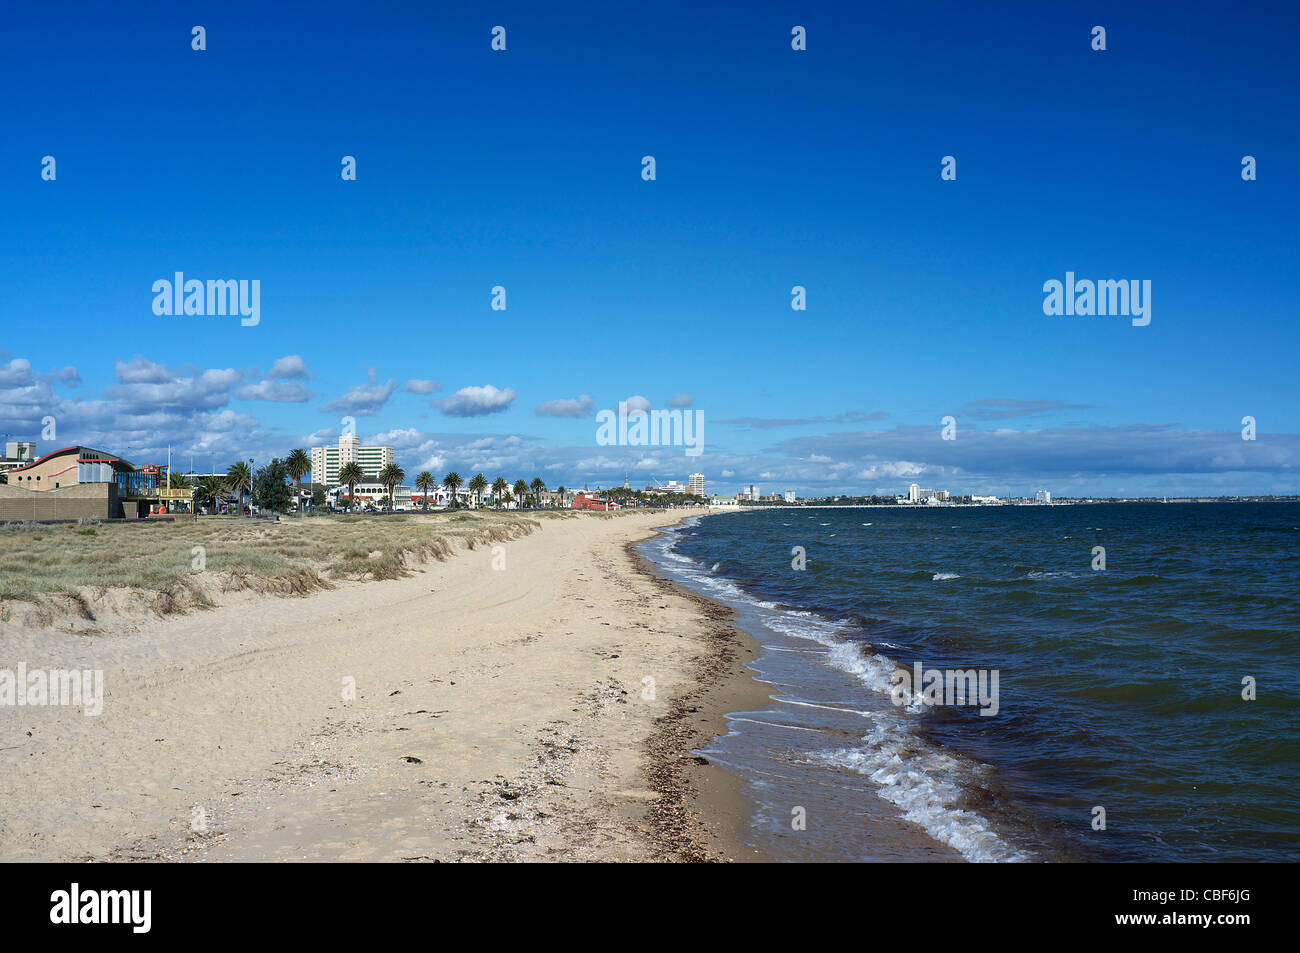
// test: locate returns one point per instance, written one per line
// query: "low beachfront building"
(584, 501)
(440, 498)
(370, 493)
(76, 483)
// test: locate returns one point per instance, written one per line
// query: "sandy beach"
(546, 710)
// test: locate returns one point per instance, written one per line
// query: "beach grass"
(176, 559)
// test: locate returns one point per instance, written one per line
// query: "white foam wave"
(926, 785)
(925, 782)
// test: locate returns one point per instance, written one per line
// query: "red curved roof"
(101, 458)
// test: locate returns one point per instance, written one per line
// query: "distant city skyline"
(514, 180)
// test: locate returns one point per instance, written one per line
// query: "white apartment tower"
(697, 484)
(326, 461)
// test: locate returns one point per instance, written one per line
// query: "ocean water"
(1117, 688)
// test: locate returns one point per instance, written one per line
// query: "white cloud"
(400, 438)
(566, 407)
(284, 392)
(146, 387)
(681, 400)
(417, 386)
(65, 375)
(141, 371)
(476, 401)
(363, 400)
(17, 373)
(289, 367)
(434, 464)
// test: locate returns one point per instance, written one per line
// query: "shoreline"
(497, 716)
(693, 785)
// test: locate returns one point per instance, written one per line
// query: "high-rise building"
(1043, 496)
(914, 493)
(790, 496)
(326, 461)
(697, 484)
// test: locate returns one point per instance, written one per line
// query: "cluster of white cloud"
(150, 406)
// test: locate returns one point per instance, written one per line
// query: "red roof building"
(584, 502)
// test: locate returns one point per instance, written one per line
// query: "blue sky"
(775, 168)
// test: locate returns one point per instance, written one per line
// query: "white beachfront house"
(370, 493)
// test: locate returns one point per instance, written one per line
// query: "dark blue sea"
(1118, 689)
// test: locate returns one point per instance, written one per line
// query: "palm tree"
(177, 481)
(390, 476)
(499, 490)
(561, 491)
(239, 478)
(298, 465)
(424, 483)
(538, 487)
(210, 488)
(351, 474)
(521, 491)
(477, 486)
(452, 481)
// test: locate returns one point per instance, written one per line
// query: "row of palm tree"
(501, 491)
(239, 480)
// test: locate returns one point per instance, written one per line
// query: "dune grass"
(291, 556)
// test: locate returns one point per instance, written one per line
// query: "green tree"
(271, 487)
(476, 486)
(538, 486)
(298, 464)
(239, 480)
(390, 476)
(210, 489)
(425, 483)
(452, 481)
(521, 491)
(351, 474)
(499, 490)
(317, 501)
